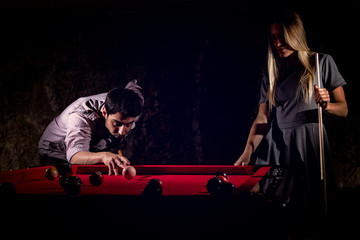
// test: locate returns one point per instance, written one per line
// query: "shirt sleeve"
(332, 78)
(133, 86)
(78, 135)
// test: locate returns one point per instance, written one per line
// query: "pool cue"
(321, 137)
(120, 153)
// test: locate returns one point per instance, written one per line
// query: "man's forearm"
(87, 158)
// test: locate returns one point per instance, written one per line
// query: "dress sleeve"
(78, 135)
(331, 76)
(263, 89)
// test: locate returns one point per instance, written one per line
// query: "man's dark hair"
(123, 101)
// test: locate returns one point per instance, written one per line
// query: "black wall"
(199, 63)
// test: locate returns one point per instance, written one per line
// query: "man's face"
(117, 126)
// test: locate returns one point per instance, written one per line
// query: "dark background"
(199, 63)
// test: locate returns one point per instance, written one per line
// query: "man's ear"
(103, 111)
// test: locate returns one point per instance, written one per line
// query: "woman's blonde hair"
(295, 37)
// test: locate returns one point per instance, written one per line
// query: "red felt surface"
(23, 175)
(33, 181)
(171, 169)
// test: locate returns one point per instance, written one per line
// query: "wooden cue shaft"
(321, 128)
(321, 137)
(120, 152)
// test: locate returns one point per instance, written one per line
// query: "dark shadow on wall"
(199, 64)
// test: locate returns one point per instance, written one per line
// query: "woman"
(287, 122)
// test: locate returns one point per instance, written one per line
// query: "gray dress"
(292, 140)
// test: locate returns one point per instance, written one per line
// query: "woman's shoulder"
(326, 58)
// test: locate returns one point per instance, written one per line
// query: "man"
(92, 129)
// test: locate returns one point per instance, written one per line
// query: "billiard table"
(117, 208)
(177, 180)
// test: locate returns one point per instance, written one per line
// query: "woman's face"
(277, 38)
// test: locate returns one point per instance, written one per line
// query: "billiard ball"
(220, 173)
(51, 173)
(62, 179)
(153, 188)
(7, 189)
(223, 179)
(226, 188)
(72, 185)
(96, 178)
(155, 182)
(213, 185)
(129, 172)
(64, 169)
(63, 176)
(76, 178)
